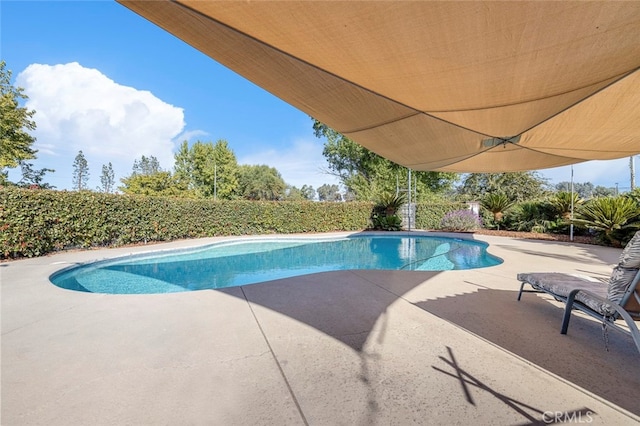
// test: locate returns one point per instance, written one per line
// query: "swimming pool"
(250, 261)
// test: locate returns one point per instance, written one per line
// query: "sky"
(110, 83)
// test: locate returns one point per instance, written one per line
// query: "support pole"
(409, 203)
(571, 225)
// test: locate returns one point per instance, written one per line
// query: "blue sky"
(106, 81)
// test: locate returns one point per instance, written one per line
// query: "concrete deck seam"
(275, 359)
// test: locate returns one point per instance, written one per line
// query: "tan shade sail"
(446, 86)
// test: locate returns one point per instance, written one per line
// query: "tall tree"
(146, 166)
(211, 170)
(584, 190)
(517, 186)
(15, 122)
(308, 192)
(148, 178)
(293, 193)
(368, 175)
(261, 183)
(80, 172)
(328, 192)
(107, 178)
(34, 178)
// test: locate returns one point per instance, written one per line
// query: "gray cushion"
(562, 284)
(619, 282)
(630, 257)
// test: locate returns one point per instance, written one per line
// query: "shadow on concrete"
(340, 304)
(604, 363)
(606, 255)
(534, 415)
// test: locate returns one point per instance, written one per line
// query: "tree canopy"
(260, 183)
(15, 122)
(210, 170)
(367, 175)
(148, 178)
(516, 186)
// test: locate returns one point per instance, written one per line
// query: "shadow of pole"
(539, 417)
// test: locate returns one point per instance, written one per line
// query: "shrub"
(429, 215)
(460, 220)
(608, 216)
(497, 203)
(387, 223)
(37, 222)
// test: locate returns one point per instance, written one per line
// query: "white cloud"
(298, 164)
(79, 108)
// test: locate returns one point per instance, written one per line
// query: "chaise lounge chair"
(607, 302)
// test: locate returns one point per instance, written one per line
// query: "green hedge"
(429, 215)
(37, 222)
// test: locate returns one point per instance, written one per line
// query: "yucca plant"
(497, 203)
(609, 214)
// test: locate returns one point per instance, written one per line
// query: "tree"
(15, 121)
(261, 183)
(146, 166)
(329, 193)
(161, 183)
(516, 186)
(602, 191)
(368, 175)
(210, 170)
(80, 172)
(33, 178)
(308, 192)
(584, 190)
(148, 178)
(107, 178)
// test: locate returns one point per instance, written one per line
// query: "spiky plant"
(609, 214)
(390, 203)
(561, 201)
(497, 203)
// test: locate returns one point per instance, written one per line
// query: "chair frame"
(607, 319)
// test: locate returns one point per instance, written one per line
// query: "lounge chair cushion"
(630, 257)
(563, 284)
(619, 282)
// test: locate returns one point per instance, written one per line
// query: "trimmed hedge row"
(429, 215)
(37, 222)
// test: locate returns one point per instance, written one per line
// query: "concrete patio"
(337, 348)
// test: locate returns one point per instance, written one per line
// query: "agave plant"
(562, 202)
(497, 203)
(609, 214)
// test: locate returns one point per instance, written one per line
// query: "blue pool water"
(241, 262)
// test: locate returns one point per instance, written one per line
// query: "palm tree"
(497, 203)
(608, 214)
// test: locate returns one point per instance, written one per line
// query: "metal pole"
(632, 167)
(215, 182)
(409, 205)
(571, 225)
